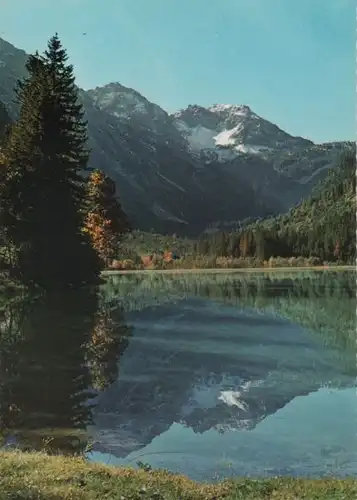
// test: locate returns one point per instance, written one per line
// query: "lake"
(210, 375)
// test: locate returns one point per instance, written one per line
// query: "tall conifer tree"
(43, 198)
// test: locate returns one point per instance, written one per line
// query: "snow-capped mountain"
(231, 130)
(196, 168)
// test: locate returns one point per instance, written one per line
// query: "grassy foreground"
(36, 476)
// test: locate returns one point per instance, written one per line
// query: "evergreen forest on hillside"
(323, 226)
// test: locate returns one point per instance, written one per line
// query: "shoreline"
(37, 475)
(113, 272)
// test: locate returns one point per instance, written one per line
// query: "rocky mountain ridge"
(193, 169)
(232, 129)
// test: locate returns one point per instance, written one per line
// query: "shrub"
(314, 261)
(129, 254)
(116, 264)
(128, 264)
(190, 261)
(146, 260)
(292, 261)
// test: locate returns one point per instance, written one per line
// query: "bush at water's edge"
(161, 261)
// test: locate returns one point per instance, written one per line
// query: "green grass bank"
(36, 476)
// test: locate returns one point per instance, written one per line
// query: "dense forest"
(323, 226)
(4, 121)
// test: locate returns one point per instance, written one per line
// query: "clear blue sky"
(292, 61)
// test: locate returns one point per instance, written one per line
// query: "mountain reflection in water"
(147, 363)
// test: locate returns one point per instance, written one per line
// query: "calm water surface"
(208, 375)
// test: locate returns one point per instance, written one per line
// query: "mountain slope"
(283, 166)
(12, 67)
(160, 184)
(328, 217)
(324, 225)
(196, 168)
(331, 203)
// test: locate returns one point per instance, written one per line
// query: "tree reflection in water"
(56, 351)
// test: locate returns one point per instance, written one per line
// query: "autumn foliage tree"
(105, 221)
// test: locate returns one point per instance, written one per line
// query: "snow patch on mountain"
(254, 150)
(226, 137)
(231, 109)
(233, 398)
(223, 143)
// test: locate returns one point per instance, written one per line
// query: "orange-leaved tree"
(105, 220)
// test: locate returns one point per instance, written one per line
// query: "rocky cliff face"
(196, 168)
